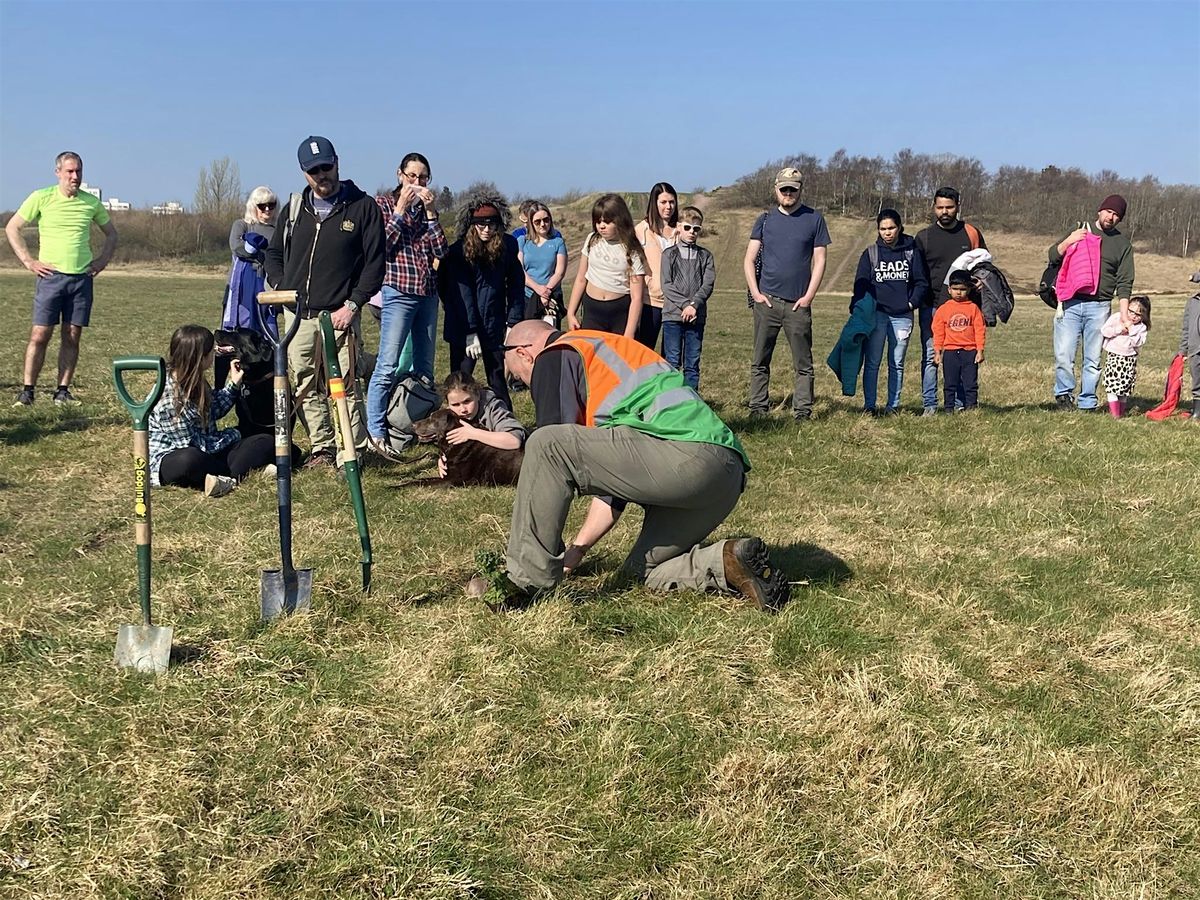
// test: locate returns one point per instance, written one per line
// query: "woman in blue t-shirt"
(543, 255)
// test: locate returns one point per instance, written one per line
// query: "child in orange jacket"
(959, 334)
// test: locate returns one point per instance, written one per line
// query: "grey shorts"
(63, 298)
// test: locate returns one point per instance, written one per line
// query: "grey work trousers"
(686, 488)
(797, 327)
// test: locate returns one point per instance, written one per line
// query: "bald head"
(526, 339)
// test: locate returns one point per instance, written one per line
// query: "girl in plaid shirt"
(186, 447)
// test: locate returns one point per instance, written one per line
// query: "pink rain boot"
(1116, 408)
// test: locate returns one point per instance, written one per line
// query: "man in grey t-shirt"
(792, 239)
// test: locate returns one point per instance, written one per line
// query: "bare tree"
(219, 190)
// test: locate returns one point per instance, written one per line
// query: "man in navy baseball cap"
(316, 151)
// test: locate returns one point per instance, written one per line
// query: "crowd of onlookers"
(648, 280)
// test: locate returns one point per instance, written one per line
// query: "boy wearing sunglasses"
(687, 278)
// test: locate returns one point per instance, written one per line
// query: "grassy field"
(987, 682)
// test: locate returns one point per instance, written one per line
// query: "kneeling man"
(616, 422)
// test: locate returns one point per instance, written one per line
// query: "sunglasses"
(266, 207)
(321, 169)
(690, 228)
(486, 223)
(541, 221)
(789, 190)
(507, 347)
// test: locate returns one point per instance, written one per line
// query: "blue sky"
(545, 97)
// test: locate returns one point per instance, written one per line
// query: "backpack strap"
(294, 203)
(873, 255)
(972, 235)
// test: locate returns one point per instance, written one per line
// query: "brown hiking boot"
(320, 459)
(748, 571)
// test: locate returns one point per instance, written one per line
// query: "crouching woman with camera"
(187, 448)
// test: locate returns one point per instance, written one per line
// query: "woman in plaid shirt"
(413, 241)
(186, 447)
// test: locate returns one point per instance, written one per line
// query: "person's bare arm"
(106, 253)
(13, 232)
(601, 517)
(637, 296)
(577, 294)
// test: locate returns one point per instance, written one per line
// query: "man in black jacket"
(332, 255)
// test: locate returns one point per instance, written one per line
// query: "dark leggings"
(493, 366)
(650, 325)
(189, 466)
(606, 315)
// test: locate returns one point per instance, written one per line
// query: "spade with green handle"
(145, 647)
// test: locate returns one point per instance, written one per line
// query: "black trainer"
(25, 398)
(1064, 401)
(748, 571)
(63, 397)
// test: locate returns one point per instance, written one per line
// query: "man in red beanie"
(1084, 314)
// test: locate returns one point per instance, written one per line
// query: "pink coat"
(1080, 272)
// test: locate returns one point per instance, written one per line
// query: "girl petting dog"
(186, 447)
(1121, 341)
(484, 417)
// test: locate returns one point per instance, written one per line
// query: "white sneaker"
(269, 471)
(218, 485)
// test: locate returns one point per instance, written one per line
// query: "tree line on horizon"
(1161, 218)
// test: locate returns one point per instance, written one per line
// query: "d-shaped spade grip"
(140, 410)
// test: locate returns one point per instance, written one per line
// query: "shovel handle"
(268, 304)
(345, 435)
(277, 298)
(140, 410)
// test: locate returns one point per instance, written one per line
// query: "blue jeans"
(1081, 319)
(682, 342)
(401, 315)
(895, 330)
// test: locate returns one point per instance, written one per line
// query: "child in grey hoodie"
(687, 279)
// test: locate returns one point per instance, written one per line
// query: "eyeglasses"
(789, 190)
(542, 221)
(419, 179)
(507, 347)
(266, 207)
(690, 228)
(321, 169)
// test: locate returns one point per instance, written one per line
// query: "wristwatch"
(352, 306)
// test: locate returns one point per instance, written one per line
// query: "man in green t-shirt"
(64, 268)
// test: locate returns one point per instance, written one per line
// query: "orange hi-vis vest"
(629, 384)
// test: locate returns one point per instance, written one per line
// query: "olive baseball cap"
(789, 177)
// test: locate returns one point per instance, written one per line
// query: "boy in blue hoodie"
(892, 270)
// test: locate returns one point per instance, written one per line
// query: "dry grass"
(987, 682)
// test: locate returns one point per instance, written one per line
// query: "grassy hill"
(986, 684)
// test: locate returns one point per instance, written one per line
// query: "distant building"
(91, 189)
(115, 205)
(170, 208)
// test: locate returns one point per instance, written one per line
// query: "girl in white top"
(656, 232)
(610, 283)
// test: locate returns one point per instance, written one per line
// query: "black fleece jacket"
(333, 261)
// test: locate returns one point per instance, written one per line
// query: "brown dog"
(470, 462)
